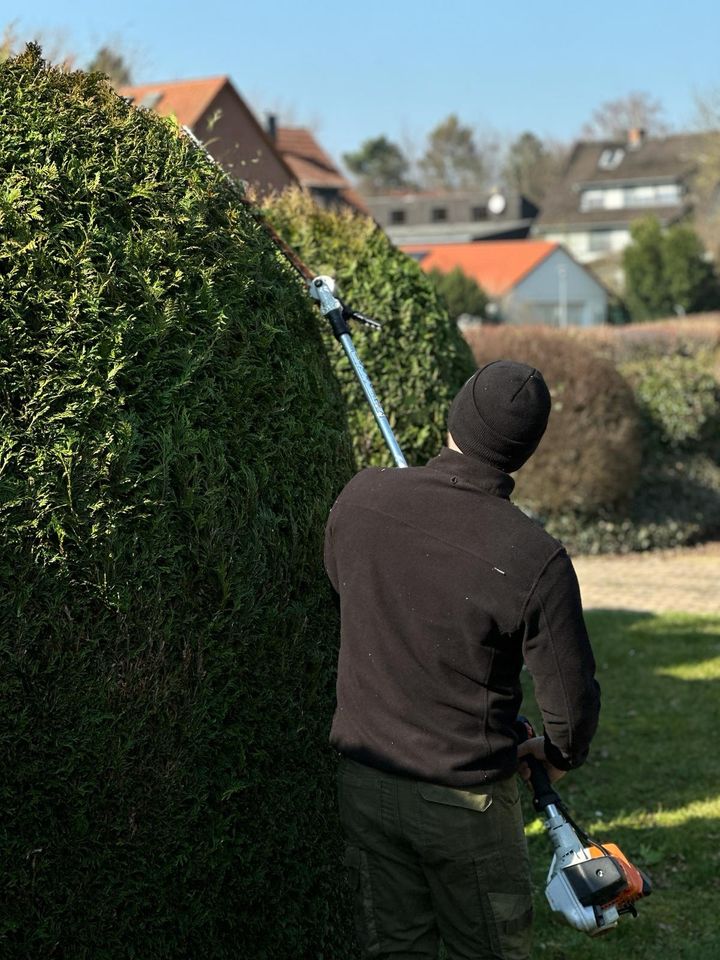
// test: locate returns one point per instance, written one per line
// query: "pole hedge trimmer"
(322, 290)
(589, 885)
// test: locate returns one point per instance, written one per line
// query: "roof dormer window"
(610, 158)
(151, 100)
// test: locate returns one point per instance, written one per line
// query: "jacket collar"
(472, 471)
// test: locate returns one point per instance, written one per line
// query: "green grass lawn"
(651, 785)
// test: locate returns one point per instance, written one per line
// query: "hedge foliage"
(659, 384)
(460, 293)
(677, 498)
(171, 438)
(684, 336)
(677, 502)
(590, 455)
(417, 362)
(679, 397)
(667, 270)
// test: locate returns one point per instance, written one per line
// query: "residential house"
(527, 281)
(460, 217)
(608, 184)
(313, 168)
(219, 117)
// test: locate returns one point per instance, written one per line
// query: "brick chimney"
(635, 138)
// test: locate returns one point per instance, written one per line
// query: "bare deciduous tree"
(637, 110)
(452, 160)
(531, 165)
(114, 64)
(111, 58)
(707, 180)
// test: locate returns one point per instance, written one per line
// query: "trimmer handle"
(543, 792)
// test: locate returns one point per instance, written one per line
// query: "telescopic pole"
(321, 288)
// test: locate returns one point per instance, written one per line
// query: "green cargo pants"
(428, 862)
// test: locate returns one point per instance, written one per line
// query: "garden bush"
(686, 336)
(679, 397)
(462, 295)
(667, 270)
(677, 502)
(673, 371)
(590, 455)
(417, 362)
(171, 438)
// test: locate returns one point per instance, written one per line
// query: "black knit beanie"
(500, 414)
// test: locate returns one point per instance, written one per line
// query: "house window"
(592, 200)
(669, 194)
(609, 199)
(640, 197)
(655, 195)
(478, 213)
(397, 216)
(600, 241)
(151, 100)
(632, 198)
(610, 158)
(439, 214)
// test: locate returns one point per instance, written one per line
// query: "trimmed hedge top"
(686, 336)
(171, 439)
(417, 362)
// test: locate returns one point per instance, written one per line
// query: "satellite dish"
(497, 203)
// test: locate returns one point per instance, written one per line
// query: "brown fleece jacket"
(445, 589)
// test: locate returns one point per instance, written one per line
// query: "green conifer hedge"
(417, 362)
(171, 439)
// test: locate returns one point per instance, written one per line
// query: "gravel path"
(684, 580)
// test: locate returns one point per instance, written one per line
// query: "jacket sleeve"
(329, 551)
(558, 655)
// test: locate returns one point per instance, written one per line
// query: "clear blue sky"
(358, 69)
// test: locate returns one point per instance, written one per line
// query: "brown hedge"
(661, 338)
(590, 455)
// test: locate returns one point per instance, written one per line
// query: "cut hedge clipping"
(417, 362)
(171, 439)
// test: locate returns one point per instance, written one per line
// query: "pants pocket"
(509, 919)
(358, 866)
(474, 799)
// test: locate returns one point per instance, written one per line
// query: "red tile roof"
(312, 166)
(185, 99)
(497, 265)
(306, 158)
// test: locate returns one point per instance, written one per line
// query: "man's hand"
(535, 747)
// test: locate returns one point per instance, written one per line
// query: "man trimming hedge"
(445, 589)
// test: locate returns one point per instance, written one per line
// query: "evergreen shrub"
(460, 293)
(667, 271)
(677, 502)
(673, 371)
(679, 397)
(590, 455)
(417, 362)
(171, 438)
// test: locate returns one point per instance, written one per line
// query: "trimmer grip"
(543, 792)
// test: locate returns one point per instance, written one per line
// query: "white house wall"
(589, 245)
(559, 288)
